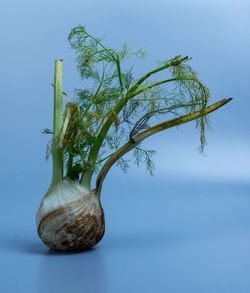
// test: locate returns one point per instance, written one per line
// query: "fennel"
(107, 120)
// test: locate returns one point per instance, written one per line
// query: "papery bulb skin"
(70, 217)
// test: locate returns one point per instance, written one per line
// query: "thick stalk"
(86, 179)
(146, 133)
(57, 153)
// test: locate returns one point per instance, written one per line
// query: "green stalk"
(86, 179)
(166, 81)
(57, 152)
(146, 133)
(118, 65)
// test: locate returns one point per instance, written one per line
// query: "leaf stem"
(118, 65)
(175, 61)
(147, 87)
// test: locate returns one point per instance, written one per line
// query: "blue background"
(184, 230)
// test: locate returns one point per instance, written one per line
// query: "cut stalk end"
(57, 153)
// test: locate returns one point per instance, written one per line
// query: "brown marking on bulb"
(77, 225)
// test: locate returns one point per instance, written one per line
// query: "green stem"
(86, 179)
(69, 165)
(176, 61)
(57, 153)
(146, 133)
(118, 65)
(146, 88)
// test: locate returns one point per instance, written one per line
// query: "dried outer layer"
(75, 225)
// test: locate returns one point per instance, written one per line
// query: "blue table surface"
(161, 236)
